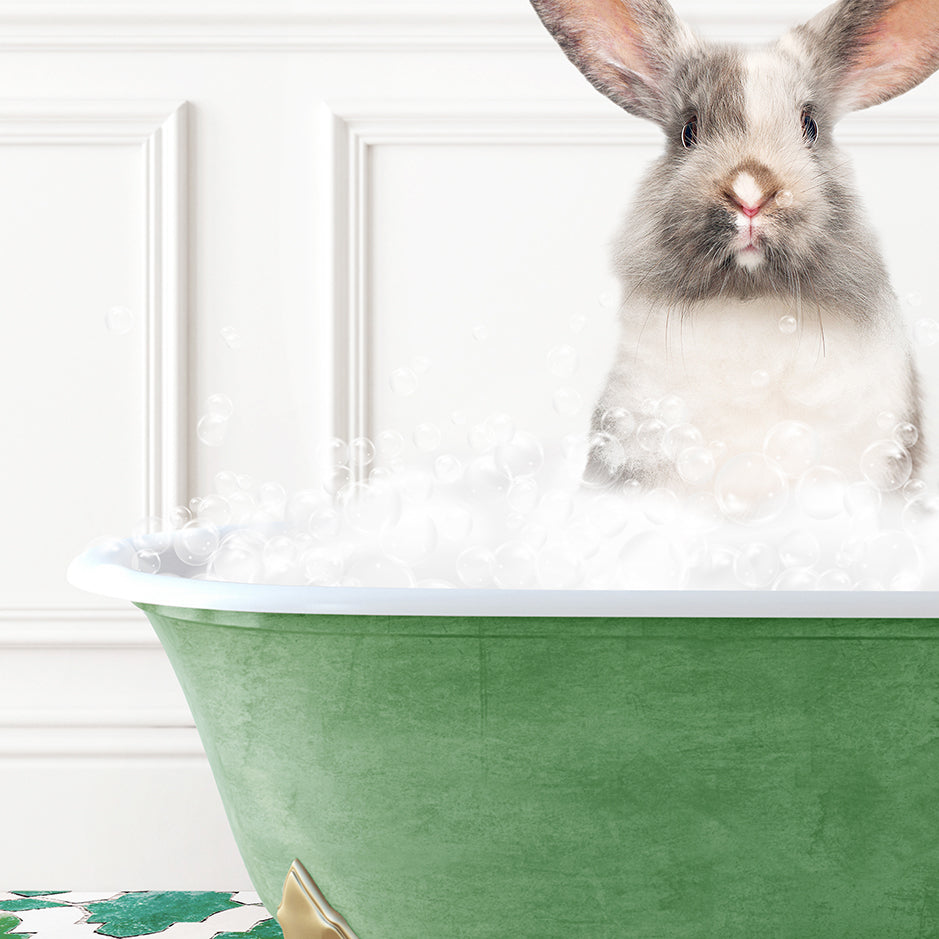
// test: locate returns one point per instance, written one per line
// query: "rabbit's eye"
(689, 133)
(809, 127)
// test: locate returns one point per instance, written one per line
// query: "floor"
(64, 914)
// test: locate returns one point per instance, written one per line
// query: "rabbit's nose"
(749, 187)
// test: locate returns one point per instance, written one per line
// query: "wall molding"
(351, 131)
(129, 739)
(330, 25)
(159, 130)
(101, 628)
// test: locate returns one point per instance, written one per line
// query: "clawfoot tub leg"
(304, 912)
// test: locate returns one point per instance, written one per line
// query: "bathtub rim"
(93, 573)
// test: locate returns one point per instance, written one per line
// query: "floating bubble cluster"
(502, 512)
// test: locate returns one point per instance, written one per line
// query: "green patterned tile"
(141, 914)
(29, 903)
(8, 922)
(269, 929)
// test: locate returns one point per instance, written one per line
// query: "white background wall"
(349, 186)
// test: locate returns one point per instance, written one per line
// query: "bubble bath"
(514, 513)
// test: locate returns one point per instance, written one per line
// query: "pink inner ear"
(616, 35)
(901, 51)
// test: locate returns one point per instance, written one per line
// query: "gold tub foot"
(304, 913)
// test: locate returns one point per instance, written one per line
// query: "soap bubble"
(325, 523)
(567, 401)
(652, 560)
(322, 568)
(403, 382)
(821, 492)
(788, 324)
(799, 549)
(481, 437)
(784, 198)
(332, 453)
(562, 361)
(607, 459)
(756, 565)
(834, 579)
(926, 332)
(514, 565)
(522, 456)
(680, 437)
(759, 378)
(791, 446)
(196, 542)
(279, 556)
(361, 452)
(650, 434)
(119, 320)
(523, 495)
(796, 578)
(219, 405)
(886, 465)
(448, 469)
(238, 558)
(750, 489)
(147, 561)
(459, 417)
(231, 337)
(272, 496)
(915, 489)
(559, 567)
(501, 427)
(695, 465)
(427, 437)
(337, 479)
(152, 534)
(913, 299)
(906, 434)
(178, 516)
(919, 516)
(618, 422)
(484, 480)
(226, 482)
(672, 410)
(212, 430)
(480, 333)
(577, 323)
(375, 570)
(886, 420)
(474, 567)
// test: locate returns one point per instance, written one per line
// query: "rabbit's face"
(751, 190)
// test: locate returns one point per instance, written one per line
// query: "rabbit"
(754, 289)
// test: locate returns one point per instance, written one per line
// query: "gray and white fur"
(750, 216)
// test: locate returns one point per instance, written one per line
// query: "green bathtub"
(445, 772)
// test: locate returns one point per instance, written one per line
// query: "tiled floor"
(59, 914)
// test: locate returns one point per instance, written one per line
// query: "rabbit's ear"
(874, 49)
(625, 47)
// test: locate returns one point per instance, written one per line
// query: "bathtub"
(543, 764)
